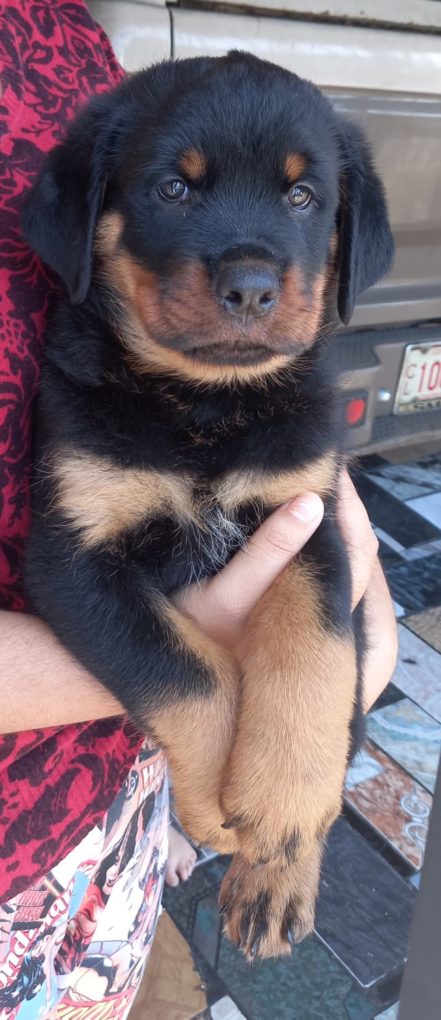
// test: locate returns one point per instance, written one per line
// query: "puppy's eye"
(299, 196)
(174, 191)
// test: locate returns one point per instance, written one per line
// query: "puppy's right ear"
(365, 237)
(61, 209)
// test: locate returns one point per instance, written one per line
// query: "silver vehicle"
(381, 64)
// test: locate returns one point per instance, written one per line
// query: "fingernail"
(305, 508)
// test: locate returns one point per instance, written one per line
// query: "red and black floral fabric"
(54, 784)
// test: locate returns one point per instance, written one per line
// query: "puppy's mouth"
(228, 343)
(230, 354)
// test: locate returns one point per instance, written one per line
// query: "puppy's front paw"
(267, 908)
(202, 821)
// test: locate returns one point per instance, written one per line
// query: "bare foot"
(181, 858)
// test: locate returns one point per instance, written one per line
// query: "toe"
(171, 878)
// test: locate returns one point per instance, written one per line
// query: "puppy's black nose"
(248, 290)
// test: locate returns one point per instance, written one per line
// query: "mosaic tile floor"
(391, 801)
(351, 968)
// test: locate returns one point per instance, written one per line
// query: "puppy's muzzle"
(247, 290)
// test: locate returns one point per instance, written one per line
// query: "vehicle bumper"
(371, 361)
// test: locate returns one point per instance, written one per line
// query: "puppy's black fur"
(179, 374)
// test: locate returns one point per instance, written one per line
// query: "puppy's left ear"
(366, 246)
(61, 209)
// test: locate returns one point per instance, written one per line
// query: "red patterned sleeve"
(53, 56)
(55, 784)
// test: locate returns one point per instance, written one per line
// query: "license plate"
(419, 387)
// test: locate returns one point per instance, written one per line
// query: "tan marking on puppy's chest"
(102, 500)
(247, 486)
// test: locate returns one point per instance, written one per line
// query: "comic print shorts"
(74, 946)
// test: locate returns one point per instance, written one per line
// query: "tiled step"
(428, 626)
(393, 516)
(418, 672)
(309, 985)
(225, 1010)
(364, 907)
(416, 585)
(390, 1014)
(408, 481)
(429, 507)
(393, 803)
(410, 736)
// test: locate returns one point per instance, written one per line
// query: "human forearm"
(40, 683)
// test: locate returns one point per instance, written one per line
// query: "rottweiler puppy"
(210, 219)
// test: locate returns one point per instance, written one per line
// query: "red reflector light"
(355, 411)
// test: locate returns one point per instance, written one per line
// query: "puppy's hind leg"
(198, 732)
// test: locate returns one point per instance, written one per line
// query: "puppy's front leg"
(174, 682)
(197, 730)
(283, 784)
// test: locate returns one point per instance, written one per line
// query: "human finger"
(223, 604)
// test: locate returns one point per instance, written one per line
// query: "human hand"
(221, 605)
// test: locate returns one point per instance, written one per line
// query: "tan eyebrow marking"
(193, 164)
(294, 166)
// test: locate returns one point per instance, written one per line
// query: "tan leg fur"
(284, 780)
(283, 783)
(198, 733)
